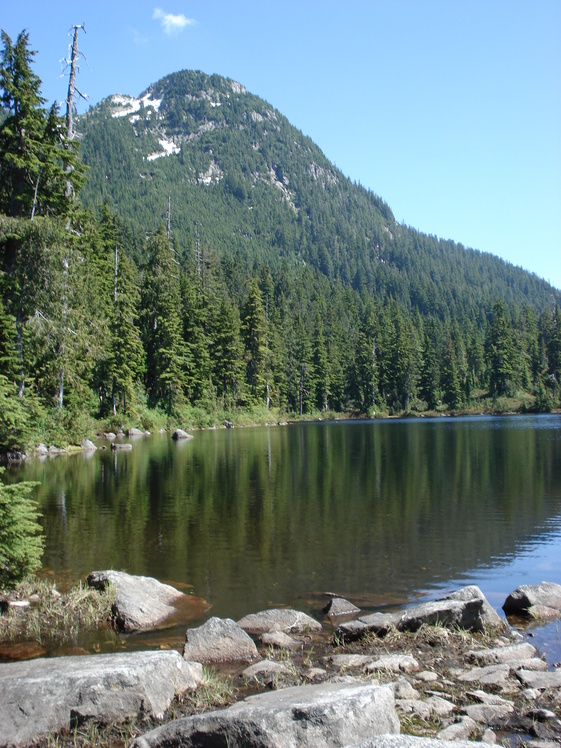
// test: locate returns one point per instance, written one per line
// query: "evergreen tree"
(21, 540)
(500, 352)
(161, 325)
(34, 153)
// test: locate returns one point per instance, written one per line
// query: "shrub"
(21, 538)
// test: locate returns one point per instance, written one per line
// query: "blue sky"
(450, 110)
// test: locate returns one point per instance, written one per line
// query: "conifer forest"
(188, 256)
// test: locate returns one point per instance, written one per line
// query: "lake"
(383, 512)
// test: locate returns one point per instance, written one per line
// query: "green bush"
(21, 538)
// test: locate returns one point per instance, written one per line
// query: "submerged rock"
(180, 434)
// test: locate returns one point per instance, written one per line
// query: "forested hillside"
(215, 264)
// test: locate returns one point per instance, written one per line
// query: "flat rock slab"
(266, 671)
(280, 640)
(140, 603)
(317, 716)
(396, 663)
(279, 619)
(539, 680)
(38, 697)
(490, 675)
(489, 714)
(528, 600)
(219, 640)
(411, 741)
(512, 653)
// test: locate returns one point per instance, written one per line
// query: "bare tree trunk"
(73, 62)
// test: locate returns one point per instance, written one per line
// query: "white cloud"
(172, 24)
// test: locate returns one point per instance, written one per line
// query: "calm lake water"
(382, 512)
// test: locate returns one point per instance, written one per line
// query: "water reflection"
(272, 516)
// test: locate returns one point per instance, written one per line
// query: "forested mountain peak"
(252, 186)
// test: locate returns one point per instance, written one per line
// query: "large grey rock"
(489, 615)
(140, 603)
(179, 434)
(43, 696)
(540, 600)
(121, 446)
(317, 716)
(450, 613)
(338, 606)
(539, 680)
(219, 640)
(512, 653)
(279, 619)
(458, 731)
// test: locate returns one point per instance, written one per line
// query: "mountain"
(246, 185)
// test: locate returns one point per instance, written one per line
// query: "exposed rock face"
(318, 716)
(538, 601)
(141, 602)
(42, 696)
(219, 640)
(279, 619)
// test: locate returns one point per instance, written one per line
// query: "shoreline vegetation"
(69, 442)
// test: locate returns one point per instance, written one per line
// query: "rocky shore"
(448, 670)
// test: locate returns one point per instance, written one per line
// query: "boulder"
(450, 613)
(377, 623)
(180, 434)
(338, 606)
(540, 600)
(88, 446)
(279, 619)
(489, 615)
(121, 446)
(140, 602)
(219, 640)
(42, 449)
(44, 696)
(135, 432)
(316, 716)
